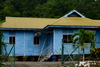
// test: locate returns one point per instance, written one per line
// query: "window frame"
(67, 39)
(12, 39)
(36, 40)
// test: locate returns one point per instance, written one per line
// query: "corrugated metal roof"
(76, 21)
(40, 23)
(19, 22)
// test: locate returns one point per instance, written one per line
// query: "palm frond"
(83, 46)
(75, 42)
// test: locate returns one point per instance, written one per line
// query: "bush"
(95, 53)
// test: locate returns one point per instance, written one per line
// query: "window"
(67, 39)
(36, 40)
(12, 39)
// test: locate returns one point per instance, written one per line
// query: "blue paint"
(54, 58)
(25, 45)
(68, 47)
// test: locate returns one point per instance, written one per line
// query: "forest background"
(48, 8)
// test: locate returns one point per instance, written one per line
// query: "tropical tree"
(82, 37)
(1, 43)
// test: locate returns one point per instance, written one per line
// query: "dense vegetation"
(95, 53)
(48, 8)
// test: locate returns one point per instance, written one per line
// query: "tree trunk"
(83, 54)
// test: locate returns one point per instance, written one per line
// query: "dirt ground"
(37, 64)
(45, 64)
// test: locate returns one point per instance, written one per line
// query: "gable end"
(74, 13)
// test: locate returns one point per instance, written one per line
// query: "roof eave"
(59, 26)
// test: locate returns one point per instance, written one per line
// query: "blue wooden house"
(43, 36)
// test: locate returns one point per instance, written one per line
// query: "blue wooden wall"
(25, 42)
(58, 33)
(25, 45)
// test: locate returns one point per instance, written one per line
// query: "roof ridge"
(57, 20)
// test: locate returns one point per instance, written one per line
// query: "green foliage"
(89, 57)
(32, 57)
(2, 21)
(95, 53)
(81, 37)
(1, 44)
(48, 8)
(59, 53)
(25, 57)
(2, 58)
(1, 41)
(1, 38)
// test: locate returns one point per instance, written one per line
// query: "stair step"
(46, 57)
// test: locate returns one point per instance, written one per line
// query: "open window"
(67, 39)
(12, 39)
(36, 40)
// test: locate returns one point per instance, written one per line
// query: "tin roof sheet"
(19, 22)
(76, 21)
(40, 23)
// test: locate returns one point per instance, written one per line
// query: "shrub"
(95, 53)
